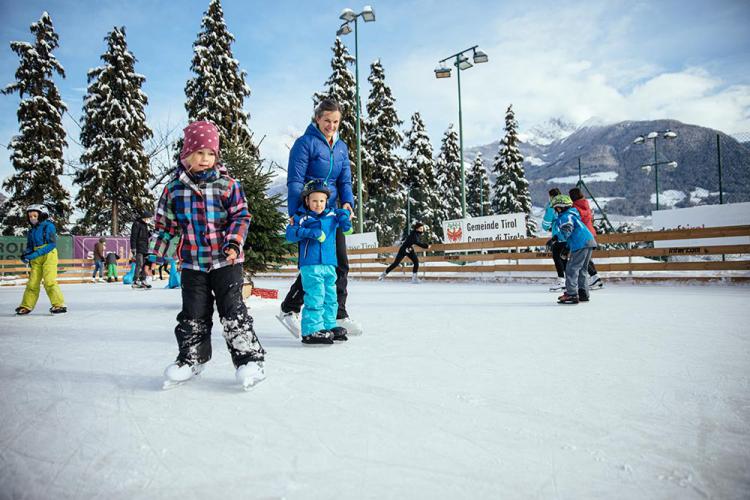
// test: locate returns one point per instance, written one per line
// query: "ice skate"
(415, 279)
(58, 309)
(321, 337)
(559, 286)
(351, 326)
(180, 372)
(291, 322)
(339, 334)
(22, 311)
(596, 283)
(567, 299)
(250, 374)
(583, 296)
(382, 276)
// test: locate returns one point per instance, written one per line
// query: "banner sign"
(11, 247)
(83, 246)
(362, 240)
(732, 214)
(490, 228)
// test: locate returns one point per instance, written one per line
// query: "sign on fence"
(11, 247)
(732, 214)
(83, 246)
(489, 228)
(362, 240)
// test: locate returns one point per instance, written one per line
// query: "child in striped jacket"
(208, 208)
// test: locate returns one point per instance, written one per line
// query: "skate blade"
(294, 334)
(249, 385)
(171, 384)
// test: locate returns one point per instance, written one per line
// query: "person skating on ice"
(207, 207)
(41, 255)
(554, 245)
(580, 243)
(140, 232)
(320, 154)
(587, 217)
(407, 250)
(314, 227)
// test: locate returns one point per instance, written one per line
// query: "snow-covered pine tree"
(217, 92)
(341, 86)
(265, 244)
(114, 180)
(420, 180)
(477, 189)
(37, 152)
(449, 175)
(384, 209)
(511, 187)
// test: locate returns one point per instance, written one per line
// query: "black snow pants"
(194, 323)
(560, 263)
(296, 295)
(405, 252)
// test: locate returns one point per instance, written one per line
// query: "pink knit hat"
(199, 135)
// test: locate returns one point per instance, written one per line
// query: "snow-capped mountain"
(611, 163)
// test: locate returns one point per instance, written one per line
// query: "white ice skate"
(596, 283)
(352, 327)
(178, 373)
(559, 286)
(382, 276)
(291, 322)
(250, 374)
(414, 278)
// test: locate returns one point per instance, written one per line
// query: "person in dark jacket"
(320, 155)
(140, 233)
(99, 259)
(111, 261)
(407, 250)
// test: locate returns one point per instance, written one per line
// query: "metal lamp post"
(653, 136)
(461, 62)
(349, 16)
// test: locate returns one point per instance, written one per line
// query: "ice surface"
(456, 390)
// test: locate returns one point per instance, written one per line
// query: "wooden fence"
(487, 258)
(68, 271)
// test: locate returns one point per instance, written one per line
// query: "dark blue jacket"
(311, 158)
(307, 228)
(42, 235)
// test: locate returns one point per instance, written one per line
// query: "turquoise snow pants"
(321, 304)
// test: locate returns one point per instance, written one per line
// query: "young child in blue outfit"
(314, 228)
(580, 243)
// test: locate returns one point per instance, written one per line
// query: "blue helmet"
(315, 186)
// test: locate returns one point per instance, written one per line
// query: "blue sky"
(615, 60)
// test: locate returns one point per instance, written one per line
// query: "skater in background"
(111, 261)
(580, 244)
(41, 254)
(587, 217)
(99, 248)
(554, 244)
(407, 250)
(315, 227)
(139, 237)
(208, 208)
(320, 154)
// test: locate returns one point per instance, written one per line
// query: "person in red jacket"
(587, 217)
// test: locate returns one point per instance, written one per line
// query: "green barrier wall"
(11, 247)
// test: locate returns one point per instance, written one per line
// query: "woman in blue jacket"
(41, 255)
(320, 155)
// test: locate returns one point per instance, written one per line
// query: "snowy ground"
(456, 390)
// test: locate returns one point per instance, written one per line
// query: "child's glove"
(322, 237)
(565, 253)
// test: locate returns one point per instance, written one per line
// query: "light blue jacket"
(308, 228)
(572, 231)
(312, 157)
(548, 222)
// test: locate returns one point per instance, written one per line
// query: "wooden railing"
(489, 257)
(68, 271)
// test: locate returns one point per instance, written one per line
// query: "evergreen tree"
(384, 209)
(265, 243)
(477, 189)
(37, 152)
(341, 86)
(511, 187)
(217, 92)
(113, 184)
(420, 180)
(449, 175)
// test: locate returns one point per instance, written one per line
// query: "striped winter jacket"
(210, 214)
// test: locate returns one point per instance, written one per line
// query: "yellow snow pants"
(43, 268)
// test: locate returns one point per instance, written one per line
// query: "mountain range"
(611, 165)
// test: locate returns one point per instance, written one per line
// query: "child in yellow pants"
(41, 254)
